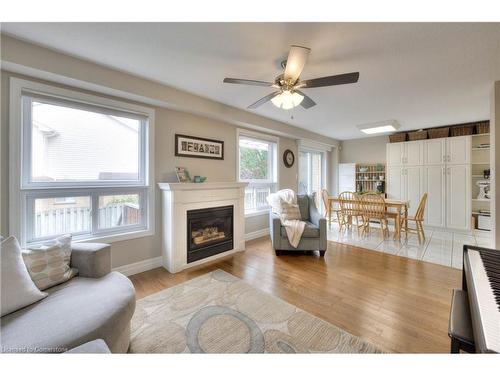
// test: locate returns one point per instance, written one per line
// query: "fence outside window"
(78, 219)
(255, 197)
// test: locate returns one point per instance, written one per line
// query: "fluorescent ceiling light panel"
(379, 127)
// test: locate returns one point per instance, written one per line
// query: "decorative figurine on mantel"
(182, 174)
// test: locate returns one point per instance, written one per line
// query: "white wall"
(363, 150)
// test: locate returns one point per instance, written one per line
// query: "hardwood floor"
(396, 303)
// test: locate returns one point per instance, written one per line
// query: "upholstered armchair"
(314, 236)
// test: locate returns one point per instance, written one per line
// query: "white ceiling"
(421, 74)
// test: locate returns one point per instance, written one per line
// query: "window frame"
(23, 192)
(273, 165)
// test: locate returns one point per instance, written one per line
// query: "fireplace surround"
(198, 225)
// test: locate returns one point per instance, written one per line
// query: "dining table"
(399, 206)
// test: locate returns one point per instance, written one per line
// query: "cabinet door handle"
(444, 158)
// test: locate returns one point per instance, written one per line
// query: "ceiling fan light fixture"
(290, 86)
(379, 127)
(287, 99)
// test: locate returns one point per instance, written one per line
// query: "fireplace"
(201, 202)
(209, 232)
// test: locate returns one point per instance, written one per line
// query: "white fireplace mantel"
(178, 198)
(201, 186)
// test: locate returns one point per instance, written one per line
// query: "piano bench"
(460, 327)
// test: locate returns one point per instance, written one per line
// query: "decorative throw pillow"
(17, 290)
(290, 211)
(48, 265)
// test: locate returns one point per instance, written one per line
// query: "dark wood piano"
(475, 313)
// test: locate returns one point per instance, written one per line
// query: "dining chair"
(329, 210)
(418, 219)
(349, 209)
(373, 208)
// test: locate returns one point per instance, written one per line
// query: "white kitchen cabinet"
(434, 151)
(405, 183)
(439, 167)
(413, 187)
(405, 153)
(458, 150)
(413, 153)
(395, 153)
(458, 197)
(435, 186)
(395, 188)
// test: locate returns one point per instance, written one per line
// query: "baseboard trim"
(142, 266)
(257, 234)
(149, 264)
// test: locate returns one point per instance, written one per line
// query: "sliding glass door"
(312, 173)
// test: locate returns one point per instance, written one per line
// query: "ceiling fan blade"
(265, 99)
(307, 102)
(295, 63)
(247, 82)
(339, 79)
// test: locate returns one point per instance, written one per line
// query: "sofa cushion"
(310, 231)
(48, 265)
(17, 288)
(303, 202)
(78, 311)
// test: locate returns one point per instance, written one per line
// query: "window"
(311, 173)
(257, 166)
(83, 165)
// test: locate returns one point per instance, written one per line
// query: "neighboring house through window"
(82, 165)
(257, 165)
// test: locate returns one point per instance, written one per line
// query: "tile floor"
(439, 247)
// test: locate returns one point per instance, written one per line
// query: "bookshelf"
(370, 177)
(480, 161)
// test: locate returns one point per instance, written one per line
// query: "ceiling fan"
(289, 94)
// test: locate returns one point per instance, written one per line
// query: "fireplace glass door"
(209, 232)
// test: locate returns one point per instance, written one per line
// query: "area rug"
(220, 313)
